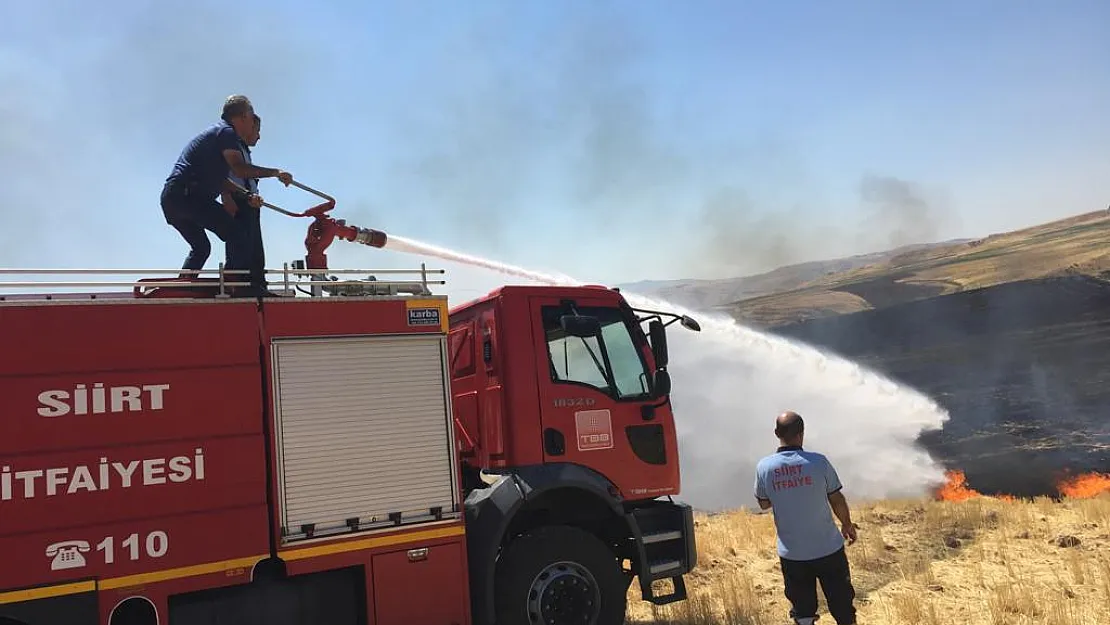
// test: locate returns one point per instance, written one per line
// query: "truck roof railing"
(288, 280)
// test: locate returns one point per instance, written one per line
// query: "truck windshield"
(614, 365)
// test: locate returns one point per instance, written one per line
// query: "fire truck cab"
(362, 455)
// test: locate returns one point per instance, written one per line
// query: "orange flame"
(1085, 486)
(956, 488)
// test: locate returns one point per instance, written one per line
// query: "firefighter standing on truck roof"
(201, 174)
(801, 486)
(248, 216)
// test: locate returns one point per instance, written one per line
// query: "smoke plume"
(583, 147)
(899, 211)
(576, 146)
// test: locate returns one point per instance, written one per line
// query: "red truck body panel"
(307, 459)
(488, 392)
(144, 429)
(166, 444)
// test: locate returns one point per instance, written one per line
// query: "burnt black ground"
(1023, 369)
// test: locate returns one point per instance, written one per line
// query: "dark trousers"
(250, 219)
(801, 576)
(192, 215)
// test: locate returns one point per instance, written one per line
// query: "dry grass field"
(964, 558)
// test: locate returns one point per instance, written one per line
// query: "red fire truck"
(169, 454)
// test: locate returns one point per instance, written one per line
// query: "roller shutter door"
(363, 432)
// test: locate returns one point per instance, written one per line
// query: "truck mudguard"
(489, 512)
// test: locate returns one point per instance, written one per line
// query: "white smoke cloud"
(731, 381)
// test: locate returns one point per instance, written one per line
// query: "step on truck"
(349, 452)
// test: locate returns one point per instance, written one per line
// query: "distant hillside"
(713, 294)
(812, 290)
(1078, 245)
(1075, 245)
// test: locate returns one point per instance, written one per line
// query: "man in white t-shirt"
(800, 487)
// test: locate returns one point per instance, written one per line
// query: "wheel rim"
(564, 593)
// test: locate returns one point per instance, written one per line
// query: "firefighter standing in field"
(801, 486)
(201, 174)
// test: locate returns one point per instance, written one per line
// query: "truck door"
(592, 392)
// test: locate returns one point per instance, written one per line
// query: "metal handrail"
(290, 278)
(4, 270)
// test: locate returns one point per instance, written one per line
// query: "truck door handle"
(416, 555)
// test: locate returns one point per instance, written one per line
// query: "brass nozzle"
(373, 238)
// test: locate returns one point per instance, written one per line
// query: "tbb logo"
(593, 441)
(594, 429)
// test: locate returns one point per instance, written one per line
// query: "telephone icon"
(67, 554)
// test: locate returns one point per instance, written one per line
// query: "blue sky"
(612, 141)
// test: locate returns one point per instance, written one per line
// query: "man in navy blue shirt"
(801, 486)
(200, 175)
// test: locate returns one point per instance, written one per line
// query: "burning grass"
(961, 558)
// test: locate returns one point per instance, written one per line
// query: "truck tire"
(556, 575)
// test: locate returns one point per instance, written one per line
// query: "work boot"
(251, 291)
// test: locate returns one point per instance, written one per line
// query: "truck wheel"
(557, 575)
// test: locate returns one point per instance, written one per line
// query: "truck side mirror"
(582, 326)
(690, 323)
(658, 343)
(662, 384)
